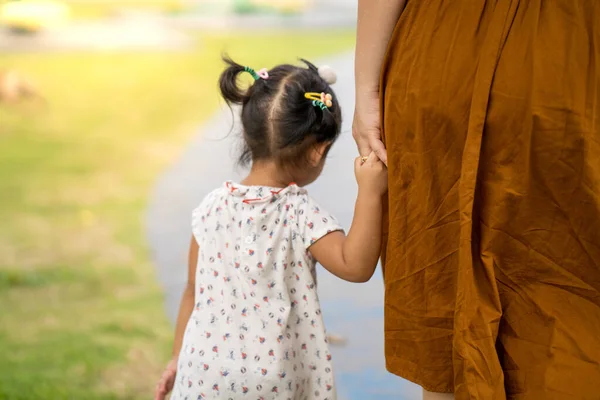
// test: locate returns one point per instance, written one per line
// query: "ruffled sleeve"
(315, 222)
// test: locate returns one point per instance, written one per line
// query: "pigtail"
(323, 114)
(312, 67)
(330, 123)
(284, 112)
(325, 123)
(228, 82)
(325, 72)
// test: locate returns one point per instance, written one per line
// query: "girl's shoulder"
(211, 199)
(314, 221)
(206, 209)
(306, 203)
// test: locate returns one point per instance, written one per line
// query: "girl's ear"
(318, 153)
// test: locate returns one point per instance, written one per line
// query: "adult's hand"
(366, 126)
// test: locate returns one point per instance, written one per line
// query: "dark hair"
(278, 122)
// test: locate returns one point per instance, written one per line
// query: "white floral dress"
(256, 331)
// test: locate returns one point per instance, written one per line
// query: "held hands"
(166, 382)
(371, 175)
(366, 126)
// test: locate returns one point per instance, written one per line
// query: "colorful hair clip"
(322, 100)
(262, 74)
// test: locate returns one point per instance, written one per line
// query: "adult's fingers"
(378, 148)
(364, 149)
(372, 158)
(362, 144)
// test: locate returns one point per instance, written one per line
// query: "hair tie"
(252, 72)
(262, 74)
(327, 74)
(321, 100)
(320, 104)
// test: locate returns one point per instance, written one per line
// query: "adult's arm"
(376, 22)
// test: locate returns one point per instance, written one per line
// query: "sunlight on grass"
(82, 316)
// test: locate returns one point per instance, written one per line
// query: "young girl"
(250, 323)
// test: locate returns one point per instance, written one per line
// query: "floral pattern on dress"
(256, 331)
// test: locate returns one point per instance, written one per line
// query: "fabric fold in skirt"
(491, 117)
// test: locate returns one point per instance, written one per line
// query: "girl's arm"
(166, 381)
(187, 300)
(354, 257)
(376, 22)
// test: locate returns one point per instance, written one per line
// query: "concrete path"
(354, 311)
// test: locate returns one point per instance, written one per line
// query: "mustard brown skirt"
(491, 117)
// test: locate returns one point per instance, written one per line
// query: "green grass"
(82, 316)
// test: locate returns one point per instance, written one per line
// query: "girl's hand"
(371, 175)
(366, 127)
(165, 384)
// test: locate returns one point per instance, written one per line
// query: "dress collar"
(256, 194)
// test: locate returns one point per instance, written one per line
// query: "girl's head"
(280, 124)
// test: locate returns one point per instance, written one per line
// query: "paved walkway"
(354, 311)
